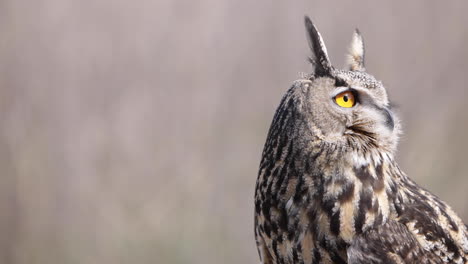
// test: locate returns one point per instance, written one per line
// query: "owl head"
(345, 107)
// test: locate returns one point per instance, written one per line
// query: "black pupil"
(345, 98)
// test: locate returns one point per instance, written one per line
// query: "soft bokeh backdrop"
(131, 131)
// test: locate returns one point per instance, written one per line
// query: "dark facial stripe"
(347, 194)
(379, 171)
(328, 206)
(363, 174)
(379, 184)
(274, 245)
(317, 258)
(335, 223)
(336, 258)
(365, 203)
(340, 82)
(267, 228)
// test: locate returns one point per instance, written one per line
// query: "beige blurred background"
(131, 131)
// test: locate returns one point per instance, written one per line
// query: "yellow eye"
(345, 99)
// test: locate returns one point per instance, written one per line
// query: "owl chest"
(316, 220)
(296, 231)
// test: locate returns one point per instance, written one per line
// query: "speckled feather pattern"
(323, 198)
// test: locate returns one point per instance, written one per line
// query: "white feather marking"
(359, 160)
(289, 204)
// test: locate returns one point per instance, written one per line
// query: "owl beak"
(389, 121)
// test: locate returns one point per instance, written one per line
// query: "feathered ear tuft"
(319, 56)
(355, 56)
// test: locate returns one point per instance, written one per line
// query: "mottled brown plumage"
(329, 189)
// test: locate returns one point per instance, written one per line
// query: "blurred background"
(131, 131)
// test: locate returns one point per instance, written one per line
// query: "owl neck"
(342, 191)
(354, 190)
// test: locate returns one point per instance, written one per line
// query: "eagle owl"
(329, 189)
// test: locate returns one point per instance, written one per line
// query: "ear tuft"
(319, 56)
(355, 56)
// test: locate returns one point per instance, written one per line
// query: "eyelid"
(340, 90)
